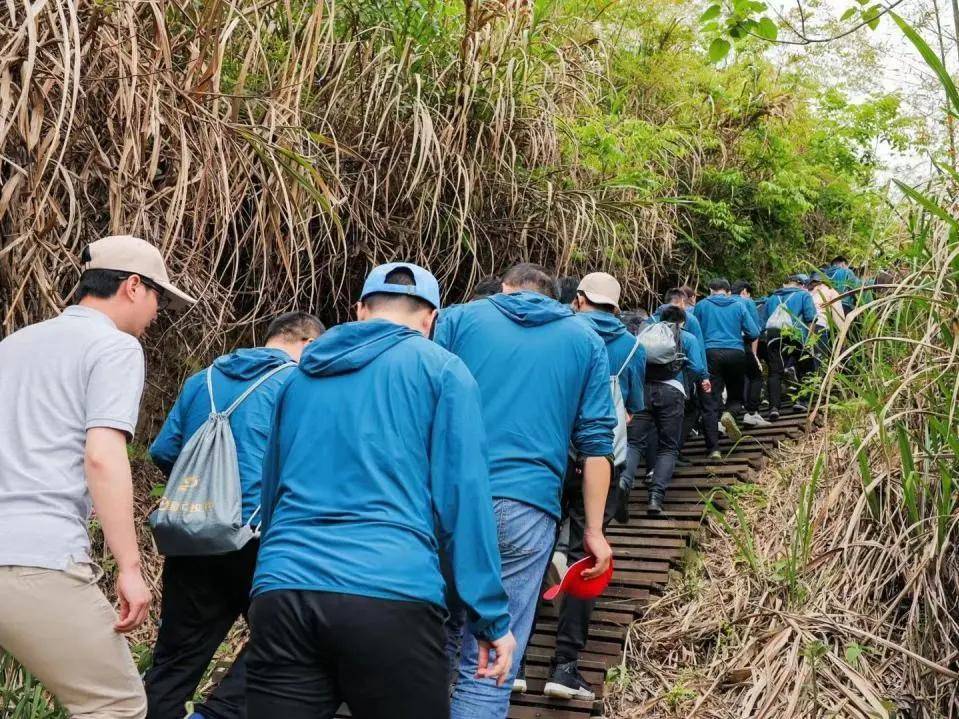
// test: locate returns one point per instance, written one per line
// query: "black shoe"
(801, 407)
(565, 682)
(683, 461)
(655, 503)
(773, 415)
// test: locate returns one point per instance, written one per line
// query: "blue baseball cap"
(424, 284)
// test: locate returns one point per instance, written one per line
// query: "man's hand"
(504, 647)
(595, 543)
(134, 596)
(706, 386)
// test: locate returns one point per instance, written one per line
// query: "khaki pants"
(59, 626)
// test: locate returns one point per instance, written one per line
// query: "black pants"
(202, 598)
(693, 410)
(572, 631)
(663, 413)
(311, 651)
(785, 351)
(753, 382)
(727, 370)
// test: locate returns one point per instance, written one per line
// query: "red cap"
(575, 585)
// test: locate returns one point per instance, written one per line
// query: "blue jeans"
(526, 537)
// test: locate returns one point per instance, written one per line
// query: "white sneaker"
(756, 420)
(722, 428)
(519, 685)
(557, 569)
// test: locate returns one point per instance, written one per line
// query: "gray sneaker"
(755, 420)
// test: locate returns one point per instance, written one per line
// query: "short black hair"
(689, 292)
(839, 259)
(740, 285)
(295, 326)
(487, 286)
(673, 314)
(407, 303)
(719, 283)
(634, 320)
(528, 276)
(99, 283)
(674, 293)
(601, 307)
(566, 289)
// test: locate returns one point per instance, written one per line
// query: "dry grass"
(274, 151)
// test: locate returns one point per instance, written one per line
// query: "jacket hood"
(248, 363)
(607, 326)
(722, 300)
(351, 346)
(530, 308)
(786, 291)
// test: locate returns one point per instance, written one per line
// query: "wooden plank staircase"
(644, 551)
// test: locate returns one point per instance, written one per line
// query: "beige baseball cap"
(600, 289)
(125, 253)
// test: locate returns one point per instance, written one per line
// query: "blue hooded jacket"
(544, 381)
(251, 423)
(619, 343)
(800, 304)
(725, 321)
(692, 324)
(753, 309)
(843, 280)
(376, 464)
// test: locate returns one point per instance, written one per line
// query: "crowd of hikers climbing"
(382, 500)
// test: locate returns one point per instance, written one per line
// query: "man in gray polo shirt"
(71, 391)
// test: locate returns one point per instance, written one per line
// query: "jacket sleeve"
(750, 330)
(596, 417)
(695, 357)
(446, 325)
(270, 477)
(636, 372)
(809, 312)
(169, 442)
(462, 504)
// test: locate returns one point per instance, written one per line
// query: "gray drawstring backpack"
(201, 508)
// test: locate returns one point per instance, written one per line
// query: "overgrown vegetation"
(274, 151)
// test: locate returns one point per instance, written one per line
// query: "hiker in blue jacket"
(696, 401)
(204, 595)
(753, 386)
(726, 324)
(595, 304)
(787, 334)
(666, 393)
(544, 381)
(376, 465)
(843, 280)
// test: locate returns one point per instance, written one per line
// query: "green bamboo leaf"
(711, 12)
(931, 59)
(718, 49)
(926, 202)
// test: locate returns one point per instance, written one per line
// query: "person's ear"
(362, 313)
(129, 286)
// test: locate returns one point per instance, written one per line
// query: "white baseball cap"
(125, 253)
(600, 288)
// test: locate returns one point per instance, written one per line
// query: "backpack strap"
(629, 357)
(252, 388)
